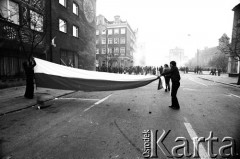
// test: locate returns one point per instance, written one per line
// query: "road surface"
(110, 124)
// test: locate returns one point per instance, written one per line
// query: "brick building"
(73, 33)
(115, 42)
(67, 28)
(17, 26)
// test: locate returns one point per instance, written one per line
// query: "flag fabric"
(161, 83)
(51, 75)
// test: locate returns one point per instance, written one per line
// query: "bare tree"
(29, 31)
(232, 50)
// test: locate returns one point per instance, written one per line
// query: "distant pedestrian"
(215, 71)
(219, 71)
(175, 78)
(186, 69)
(167, 77)
(29, 72)
(161, 70)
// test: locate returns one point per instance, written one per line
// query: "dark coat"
(174, 74)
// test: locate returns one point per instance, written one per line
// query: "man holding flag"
(175, 78)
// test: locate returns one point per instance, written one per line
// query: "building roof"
(117, 22)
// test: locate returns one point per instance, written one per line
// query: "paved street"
(105, 125)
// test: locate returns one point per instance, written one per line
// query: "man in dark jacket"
(175, 78)
(29, 72)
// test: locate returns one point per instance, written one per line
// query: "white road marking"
(234, 95)
(98, 102)
(191, 79)
(201, 150)
(189, 89)
(75, 99)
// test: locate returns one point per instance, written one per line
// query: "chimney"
(117, 19)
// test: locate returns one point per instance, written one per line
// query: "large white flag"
(51, 75)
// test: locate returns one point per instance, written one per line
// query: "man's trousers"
(175, 86)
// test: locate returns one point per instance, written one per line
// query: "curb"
(32, 105)
(236, 86)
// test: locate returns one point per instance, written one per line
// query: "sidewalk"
(12, 99)
(223, 79)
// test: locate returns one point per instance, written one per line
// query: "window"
(13, 12)
(110, 50)
(75, 31)
(122, 50)
(116, 40)
(122, 41)
(116, 31)
(36, 22)
(103, 41)
(97, 32)
(123, 31)
(109, 40)
(116, 50)
(63, 2)
(36, 3)
(109, 31)
(62, 26)
(97, 41)
(103, 32)
(75, 8)
(97, 51)
(103, 50)
(67, 58)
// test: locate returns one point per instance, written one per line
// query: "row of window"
(11, 12)
(110, 40)
(112, 50)
(63, 28)
(75, 6)
(110, 31)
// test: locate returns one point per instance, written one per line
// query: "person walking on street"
(167, 77)
(175, 78)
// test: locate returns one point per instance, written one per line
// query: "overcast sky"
(166, 24)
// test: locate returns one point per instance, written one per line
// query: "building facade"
(233, 64)
(115, 43)
(63, 31)
(22, 33)
(177, 54)
(203, 57)
(73, 33)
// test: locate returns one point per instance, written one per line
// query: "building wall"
(120, 59)
(233, 65)
(206, 55)
(11, 56)
(177, 55)
(82, 49)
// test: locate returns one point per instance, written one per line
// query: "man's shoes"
(165, 90)
(174, 107)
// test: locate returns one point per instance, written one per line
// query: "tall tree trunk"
(238, 83)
